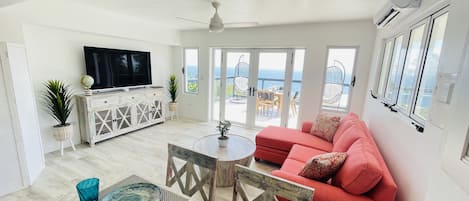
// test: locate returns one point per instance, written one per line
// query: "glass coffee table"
(238, 151)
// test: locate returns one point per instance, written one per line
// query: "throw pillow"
(323, 167)
(325, 126)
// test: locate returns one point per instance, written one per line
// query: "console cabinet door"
(123, 118)
(143, 113)
(156, 111)
(103, 122)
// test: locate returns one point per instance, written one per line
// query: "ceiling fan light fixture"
(216, 24)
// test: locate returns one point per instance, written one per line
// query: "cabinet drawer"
(155, 93)
(131, 98)
(104, 102)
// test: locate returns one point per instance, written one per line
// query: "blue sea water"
(265, 74)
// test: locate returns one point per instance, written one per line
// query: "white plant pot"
(223, 142)
(173, 106)
(62, 133)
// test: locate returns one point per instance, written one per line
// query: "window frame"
(421, 58)
(428, 21)
(349, 101)
(185, 70)
(400, 67)
(431, 22)
(383, 55)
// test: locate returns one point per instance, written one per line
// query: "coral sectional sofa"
(363, 177)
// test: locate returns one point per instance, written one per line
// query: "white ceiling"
(264, 12)
(4, 3)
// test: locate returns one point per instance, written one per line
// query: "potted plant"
(58, 99)
(223, 127)
(173, 92)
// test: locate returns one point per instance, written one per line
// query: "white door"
(253, 86)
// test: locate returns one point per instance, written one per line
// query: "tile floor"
(143, 153)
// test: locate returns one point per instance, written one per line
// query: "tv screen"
(117, 68)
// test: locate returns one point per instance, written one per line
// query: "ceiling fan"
(216, 23)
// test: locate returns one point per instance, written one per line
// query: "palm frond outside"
(58, 99)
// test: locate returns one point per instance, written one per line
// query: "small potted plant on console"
(223, 127)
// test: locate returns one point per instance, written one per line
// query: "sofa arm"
(306, 127)
(322, 191)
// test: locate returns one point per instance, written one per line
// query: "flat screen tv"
(112, 68)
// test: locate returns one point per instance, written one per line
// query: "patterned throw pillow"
(323, 167)
(325, 126)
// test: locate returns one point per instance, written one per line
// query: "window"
(387, 56)
(412, 64)
(338, 79)
(409, 81)
(428, 81)
(392, 85)
(191, 70)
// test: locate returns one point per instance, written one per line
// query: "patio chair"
(334, 84)
(240, 81)
(191, 158)
(266, 101)
(271, 185)
(293, 103)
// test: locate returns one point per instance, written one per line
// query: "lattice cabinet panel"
(123, 118)
(156, 110)
(103, 122)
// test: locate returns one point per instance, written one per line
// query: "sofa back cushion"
(345, 123)
(361, 170)
(325, 126)
(348, 137)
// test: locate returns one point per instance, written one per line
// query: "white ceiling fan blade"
(191, 20)
(241, 24)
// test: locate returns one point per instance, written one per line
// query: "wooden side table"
(239, 150)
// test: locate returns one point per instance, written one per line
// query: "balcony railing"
(263, 83)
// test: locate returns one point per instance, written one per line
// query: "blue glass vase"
(88, 189)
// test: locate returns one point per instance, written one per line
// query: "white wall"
(58, 54)
(314, 37)
(69, 14)
(415, 158)
(55, 31)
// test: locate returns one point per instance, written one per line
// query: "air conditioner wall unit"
(406, 3)
(386, 15)
(393, 9)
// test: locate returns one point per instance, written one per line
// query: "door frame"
(254, 54)
(349, 101)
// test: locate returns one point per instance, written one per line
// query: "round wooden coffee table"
(238, 151)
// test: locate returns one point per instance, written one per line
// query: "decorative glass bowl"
(135, 192)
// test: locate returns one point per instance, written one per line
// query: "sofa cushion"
(292, 166)
(284, 138)
(345, 123)
(349, 136)
(323, 167)
(322, 191)
(325, 126)
(361, 170)
(303, 154)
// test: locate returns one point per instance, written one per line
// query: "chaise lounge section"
(363, 177)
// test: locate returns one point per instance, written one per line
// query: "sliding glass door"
(253, 87)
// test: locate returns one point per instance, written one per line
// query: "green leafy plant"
(173, 87)
(58, 99)
(223, 127)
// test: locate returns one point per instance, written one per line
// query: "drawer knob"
(133, 97)
(105, 101)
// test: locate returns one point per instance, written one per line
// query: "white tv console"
(106, 115)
